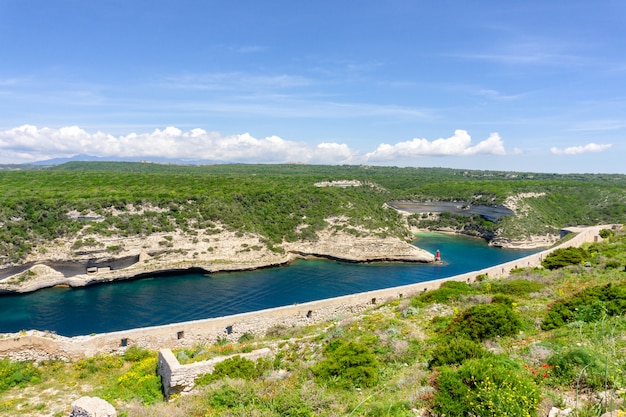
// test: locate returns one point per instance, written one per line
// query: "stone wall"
(38, 345)
(177, 378)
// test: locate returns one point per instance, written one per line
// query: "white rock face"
(92, 407)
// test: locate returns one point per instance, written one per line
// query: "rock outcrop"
(108, 259)
(344, 247)
(92, 407)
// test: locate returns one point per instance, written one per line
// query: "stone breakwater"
(35, 345)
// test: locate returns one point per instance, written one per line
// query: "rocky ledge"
(112, 259)
(366, 249)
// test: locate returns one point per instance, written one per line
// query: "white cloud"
(457, 145)
(574, 150)
(29, 143)
(496, 95)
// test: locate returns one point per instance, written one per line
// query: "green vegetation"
(589, 305)
(544, 337)
(17, 374)
(281, 202)
(516, 287)
(347, 364)
(449, 291)
(455, 351)
(235, 367)
(577, 367)
(564, 257)
(486, 387)
(485, 321)
(482, 348)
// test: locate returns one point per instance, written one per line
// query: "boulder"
(557, 412)
(92, 407)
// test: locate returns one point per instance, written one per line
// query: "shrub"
(453, 351)
(390, 409)
(227, 396)
(246, 337)
(140, 382)
(588, 305)
(502, 299)
(516, 287)
(97, 363)
(485, 387)
(235, 367)
(290, 404)
(577, 366)
(347, 364)
(612, 265)
(449, 290)
(605, 233)
(485, 321)
(565, 257)
(136, 354)
(17, 374)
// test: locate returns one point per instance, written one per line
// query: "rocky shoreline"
(90, 260)
(60, 264)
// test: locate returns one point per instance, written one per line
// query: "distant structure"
(437, 256)
(339, 183)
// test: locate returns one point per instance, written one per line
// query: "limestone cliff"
(97, 259)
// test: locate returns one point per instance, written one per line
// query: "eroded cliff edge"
(106, 259)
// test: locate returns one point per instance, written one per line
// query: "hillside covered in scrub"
(542, 340)
(82, 201)
(82, 223)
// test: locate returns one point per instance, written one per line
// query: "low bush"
(502, 299)
(612, 264)
(578, 368)
(485, 321)
(140, 382)
(390, 409)
(290, 404)
(136, 354)
(605, 233)
(17, 374)
(562, 257)
(588, 305)
(347, 364)
(449, 291)
(246, 337)
(228, 396)
(97, 363)
(516, 287)
(236, 368)
(453, 351)
(485, 387)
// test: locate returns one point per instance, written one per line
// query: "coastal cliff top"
(101, 259)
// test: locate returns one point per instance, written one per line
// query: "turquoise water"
(177, 298)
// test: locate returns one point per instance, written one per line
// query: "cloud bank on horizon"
(29, 143)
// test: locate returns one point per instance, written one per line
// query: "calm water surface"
(172, 299)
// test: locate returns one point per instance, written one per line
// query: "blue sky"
(518, 86)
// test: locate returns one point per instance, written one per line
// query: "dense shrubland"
(516, 346)
(281, 202)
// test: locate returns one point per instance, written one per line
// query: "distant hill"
(92, 158)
